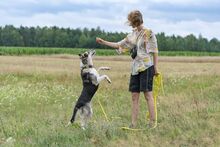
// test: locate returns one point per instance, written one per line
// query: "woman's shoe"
(131, 126)
(152, 125)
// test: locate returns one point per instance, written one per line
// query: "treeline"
(85, 38)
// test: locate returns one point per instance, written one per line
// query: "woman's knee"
(135, 96)
(148, 96)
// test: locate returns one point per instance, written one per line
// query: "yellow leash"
(103, 111)
(132, 129)
(157, 86)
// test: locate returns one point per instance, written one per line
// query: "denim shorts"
(143, 82)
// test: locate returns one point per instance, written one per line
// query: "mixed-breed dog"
(91, 80)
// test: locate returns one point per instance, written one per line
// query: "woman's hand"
(156, 72)
(119, 50)
(99, 40)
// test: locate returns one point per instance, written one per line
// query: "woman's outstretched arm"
(104, 42)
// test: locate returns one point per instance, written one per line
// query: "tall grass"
(36, 104)
(101, 52)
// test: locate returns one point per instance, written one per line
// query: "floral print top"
(146, 44)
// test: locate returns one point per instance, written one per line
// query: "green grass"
(188, 53)
(47, 51)
(100, 52)
(35, 108)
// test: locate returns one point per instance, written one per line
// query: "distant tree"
(190, 43)
(203, 44)
(180, 43)
(214, 45)
(85, 38)
(1, 36)
(61, 38)
(10, 36)
(32, 37)
(162, 42)
(82, 41)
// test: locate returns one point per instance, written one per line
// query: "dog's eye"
(84, 61)
(86, 55)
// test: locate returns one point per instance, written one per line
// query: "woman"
(143, 46)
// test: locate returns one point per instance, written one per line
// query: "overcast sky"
(179, 17)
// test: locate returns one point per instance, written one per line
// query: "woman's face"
(133, 26)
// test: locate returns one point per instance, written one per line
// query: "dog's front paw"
(109, 81)
(104, 68)
(107, 68)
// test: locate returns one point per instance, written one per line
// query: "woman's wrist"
(103, 42)
(155, 69)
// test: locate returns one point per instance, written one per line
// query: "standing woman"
(142, 44)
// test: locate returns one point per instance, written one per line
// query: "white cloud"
(183, 28)
(186, 2)
(112, 18)
(103, 1)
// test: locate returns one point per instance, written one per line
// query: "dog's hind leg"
(74, 114)
(90, 112)
(76, 108)
(82, 118)
(85, 115)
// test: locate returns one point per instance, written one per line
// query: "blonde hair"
(135, 18)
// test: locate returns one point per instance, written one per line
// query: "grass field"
(18, 51)
(37, 94)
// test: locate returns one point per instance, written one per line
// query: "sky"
(178, 17)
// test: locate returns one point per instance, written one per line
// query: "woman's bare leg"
(135, 108)
(150, 102)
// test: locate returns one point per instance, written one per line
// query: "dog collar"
(84, 67)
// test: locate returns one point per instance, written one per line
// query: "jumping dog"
(90, 79)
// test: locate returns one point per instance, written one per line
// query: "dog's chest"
(89, 75)
(94, 72)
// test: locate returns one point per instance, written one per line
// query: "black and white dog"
(90, 79)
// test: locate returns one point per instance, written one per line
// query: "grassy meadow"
(37, 94)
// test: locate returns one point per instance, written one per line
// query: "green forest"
(85, 38)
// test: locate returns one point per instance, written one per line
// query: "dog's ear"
(80, 55)
(93, 52)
